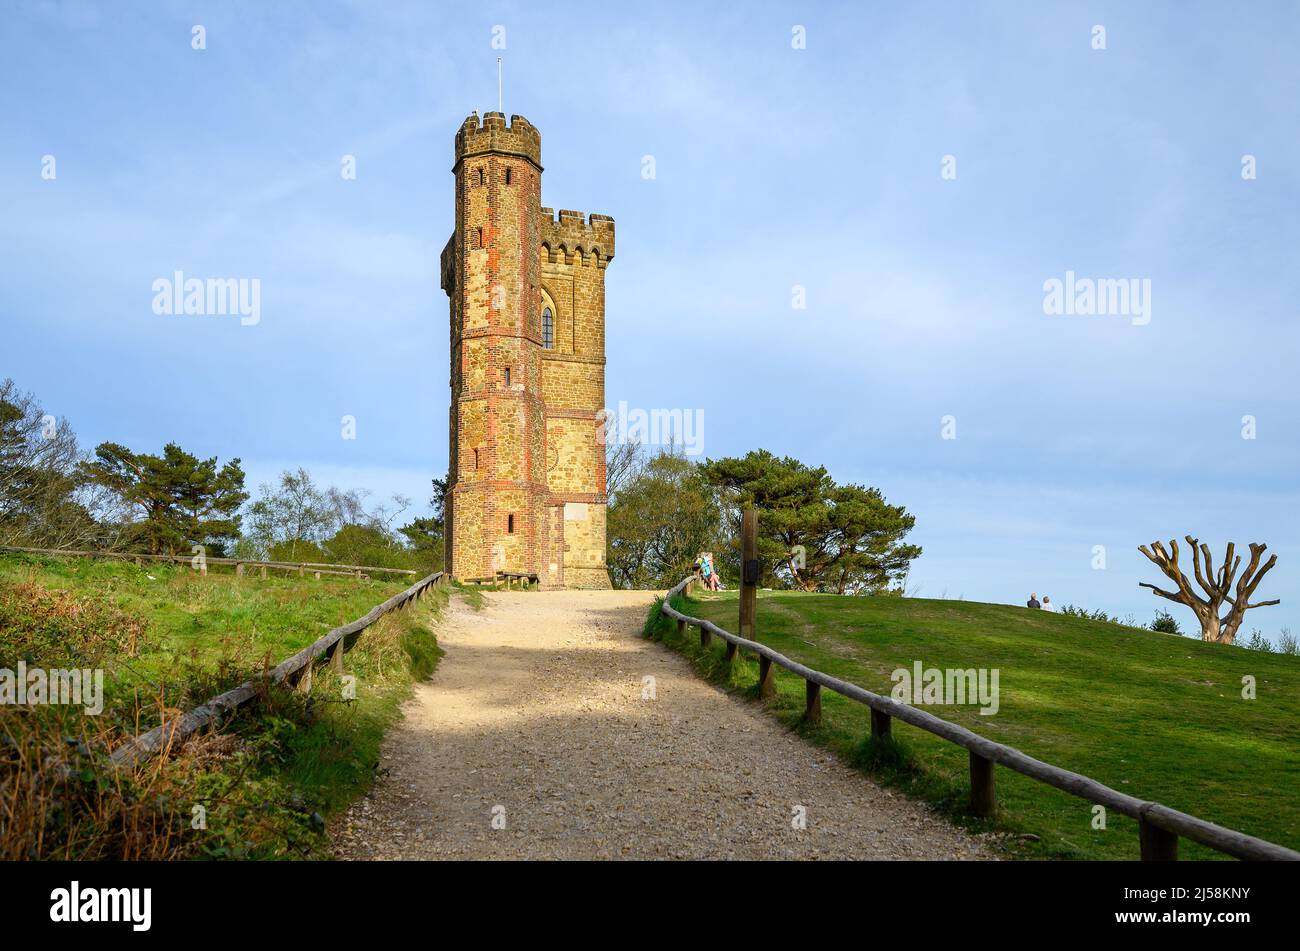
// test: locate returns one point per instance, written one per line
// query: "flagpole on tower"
(500, 106)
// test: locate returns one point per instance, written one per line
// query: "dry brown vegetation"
(263, 782)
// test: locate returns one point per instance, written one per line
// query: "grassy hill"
(1156, 716)
(187, 618)
(169, 639)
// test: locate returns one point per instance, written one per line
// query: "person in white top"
(1047, 604)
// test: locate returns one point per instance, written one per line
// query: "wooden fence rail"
(295, 669)
(1159, 826)
(317, 568)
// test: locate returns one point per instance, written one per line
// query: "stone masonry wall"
(527, 466)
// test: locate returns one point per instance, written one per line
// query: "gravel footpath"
(533, 741)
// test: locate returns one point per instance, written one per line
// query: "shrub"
(1166, 623)
(43, 624)
(1257, 642)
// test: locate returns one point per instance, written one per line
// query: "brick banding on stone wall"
(526, 447)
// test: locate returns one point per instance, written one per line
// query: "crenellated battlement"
(526, 482)
(573, 232)
(492, 134)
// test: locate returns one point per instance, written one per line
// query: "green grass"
(1156, 716)
(201, 620)
(278, 770)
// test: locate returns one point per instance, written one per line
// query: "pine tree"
(181, 500)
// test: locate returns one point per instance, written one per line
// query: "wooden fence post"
(705, 637)
(681, 625)
(748, 572)
(264, 571)
(812, 708)
(983, 785)
(336, 659)
(881, 725)
(766, 677)
(239, 569)
(304, 679)
(1157, 844)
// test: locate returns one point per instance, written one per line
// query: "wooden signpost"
(749, 572)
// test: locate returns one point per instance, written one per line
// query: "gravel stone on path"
(532, 740)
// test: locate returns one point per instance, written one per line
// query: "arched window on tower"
(548, 329)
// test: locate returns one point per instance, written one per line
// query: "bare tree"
(296, 512)
(349, 508)
(44, 501)
(293, 512)
(1216, 585)
(625, 457)
(624, 461)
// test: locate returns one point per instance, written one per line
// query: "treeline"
(55, 494)
(814, 534)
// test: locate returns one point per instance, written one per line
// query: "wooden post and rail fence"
(295, 670)
(241, 564)
(1159, 827)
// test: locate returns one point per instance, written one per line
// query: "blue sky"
(774, 167)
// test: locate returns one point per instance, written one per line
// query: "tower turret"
(497, 483)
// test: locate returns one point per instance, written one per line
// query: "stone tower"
(526, 481)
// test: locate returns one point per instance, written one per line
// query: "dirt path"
(537, 709)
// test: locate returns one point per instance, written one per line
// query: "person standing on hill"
(1033, 600)
(1047, 604)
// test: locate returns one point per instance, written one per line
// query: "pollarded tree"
(1216, 585)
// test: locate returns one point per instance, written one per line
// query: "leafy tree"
(296, 550)
(425, 534)
(288, 522)
(438, 502)
(661, 519)
(814, 534)
(356, 544)
(179, 499)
